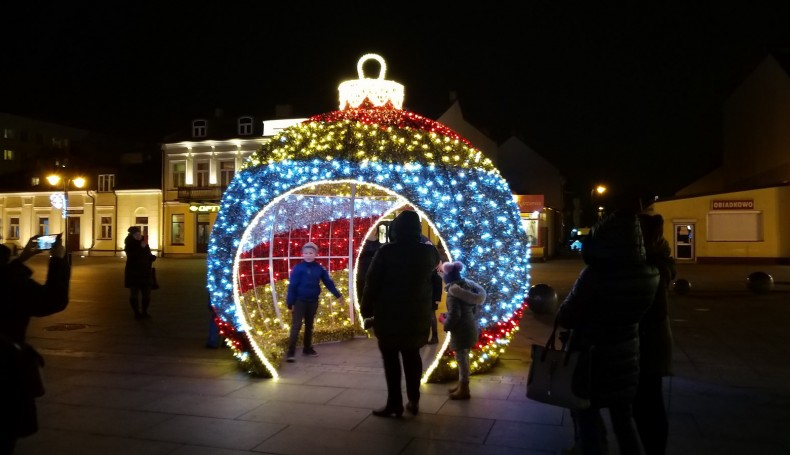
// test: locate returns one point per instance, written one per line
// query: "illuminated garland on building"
(389, 157)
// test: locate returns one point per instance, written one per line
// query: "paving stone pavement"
(120, 386)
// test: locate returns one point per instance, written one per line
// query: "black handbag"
(559, 377)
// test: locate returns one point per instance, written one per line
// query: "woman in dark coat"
(655, 342)
(611, 295)
(25, 298)
(398, 294)
(137, 274)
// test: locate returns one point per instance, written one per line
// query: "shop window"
(177, 229)
(744, 226)
(106, 228)
(13, 228)
(245, 126)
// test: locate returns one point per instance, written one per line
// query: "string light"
(329, 179)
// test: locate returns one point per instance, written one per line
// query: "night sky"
(631, 97)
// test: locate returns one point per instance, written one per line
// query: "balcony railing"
(200, 193)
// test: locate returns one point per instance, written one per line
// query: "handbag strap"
(550, 343)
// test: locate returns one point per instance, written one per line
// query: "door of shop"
(73, 234)
(202, 233)
(684, 241)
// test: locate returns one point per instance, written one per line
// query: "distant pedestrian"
(137, 274)
(655, 342)
(464, 298)
(609, 298)
(304, 290)
(398, 293)
(22, 299)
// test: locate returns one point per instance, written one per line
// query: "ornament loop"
(376, 57)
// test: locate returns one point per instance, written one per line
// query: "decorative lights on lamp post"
(63, 203)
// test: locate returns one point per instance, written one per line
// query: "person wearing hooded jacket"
(25, 298)
(655, 342)
(608, 300)
(398, 295)
(464, 298)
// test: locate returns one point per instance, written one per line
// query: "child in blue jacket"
(304, 288)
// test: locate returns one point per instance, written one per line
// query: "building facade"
(741, 211)
(196, 170)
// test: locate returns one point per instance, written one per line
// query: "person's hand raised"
(30, 250)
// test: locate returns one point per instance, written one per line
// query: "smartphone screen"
(45, 242)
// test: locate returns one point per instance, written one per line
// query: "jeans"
(462, 357)
(302, 310)
(412, 370)
(591, 432)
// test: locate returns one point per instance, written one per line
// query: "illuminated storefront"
(740, 226)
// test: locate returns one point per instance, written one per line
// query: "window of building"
(245, 126)
(735, 226)
(23, 136)
(35, 181)
(178, 173)
(201, 174)
(106, 183)
(8, 133)
(43, 225)
(177, 229)
(13, 228)
(226, 171)
(57, 142)
(142, 223)
(8, 155)
(106, 228)
(199, 128)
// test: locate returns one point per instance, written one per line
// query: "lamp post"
(78, 182)
(599, 190)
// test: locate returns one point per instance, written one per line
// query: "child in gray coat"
(464, 298)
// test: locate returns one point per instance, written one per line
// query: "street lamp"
(599, 190)
(78, 182)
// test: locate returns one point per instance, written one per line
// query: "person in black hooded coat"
(607, 302)
(137, 273)
(398, 293)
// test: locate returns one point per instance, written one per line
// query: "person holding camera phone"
(137, 274)
(24, 298)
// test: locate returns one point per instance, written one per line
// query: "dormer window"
(245, 126)
(199, 128)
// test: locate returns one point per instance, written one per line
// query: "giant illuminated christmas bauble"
(329, 180)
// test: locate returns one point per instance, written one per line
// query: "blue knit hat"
(452, 271)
